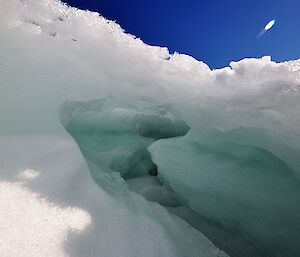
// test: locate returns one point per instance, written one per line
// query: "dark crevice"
(153, 171)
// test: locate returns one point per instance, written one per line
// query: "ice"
(114, 133)
(151, 189)
(243, 188)
(82, 101)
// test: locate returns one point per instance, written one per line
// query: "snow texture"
(82, 101)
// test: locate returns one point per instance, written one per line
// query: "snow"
(81, 101)
(41, 229)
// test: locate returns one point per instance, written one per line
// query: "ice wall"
(244, 188)
(237, 169)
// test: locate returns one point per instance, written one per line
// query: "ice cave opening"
(114, 135)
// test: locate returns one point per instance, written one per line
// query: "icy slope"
(81, 97)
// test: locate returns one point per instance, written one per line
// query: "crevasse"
(217, 149)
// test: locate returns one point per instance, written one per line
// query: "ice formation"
(110, 147)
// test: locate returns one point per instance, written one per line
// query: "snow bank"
(236, 170)
(50, 54)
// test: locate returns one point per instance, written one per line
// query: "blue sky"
(214, 31)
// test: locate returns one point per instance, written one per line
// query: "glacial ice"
(243, 188)
(112, 147)
(114, 134)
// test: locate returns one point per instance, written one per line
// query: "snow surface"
(238, 166)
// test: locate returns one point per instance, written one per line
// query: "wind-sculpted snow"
(79, 97)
